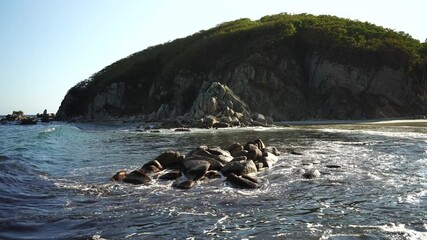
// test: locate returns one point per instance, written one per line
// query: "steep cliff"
(288, 67)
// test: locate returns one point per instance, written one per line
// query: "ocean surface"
(55, 184)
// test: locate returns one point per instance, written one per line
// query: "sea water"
(55, 184)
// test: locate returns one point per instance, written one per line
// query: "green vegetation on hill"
(338, 39)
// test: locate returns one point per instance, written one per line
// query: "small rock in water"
(182, 130)
(333, 166)
(311, 173)
(293, 152)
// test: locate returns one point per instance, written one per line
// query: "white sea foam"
(49, 130)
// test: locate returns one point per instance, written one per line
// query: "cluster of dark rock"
(238, 164)
(18, 117)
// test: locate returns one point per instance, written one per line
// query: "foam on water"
(372, 185)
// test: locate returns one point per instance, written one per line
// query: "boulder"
(152, 166)
(214, 163)
(251, 178)
(311, 173)
(170, 160)
(119, 176)
(272, 150)
(240, 182)
(240, 153)
(250, 146)
(211, 153)
(239, 167)
(268, 159)
(239, 158)
(184, 184)
(260, 144)
(258, 117)
(172, 175)
(213, 174)
(195, 169)
(137, 177)
(254, 154)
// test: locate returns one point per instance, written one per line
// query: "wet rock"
(213, 174)
(333, 166)
(152, 166)
(250, 146)
(214, 163)
(241, 153)
(184, 184)
(260, 144)
(170, 159)
(216, 153)
(259, 166)
(251, 178)
(119, 176)
(235, 148)
(240, 158)
(254, 154)
(137, 177)
(195, 169)
(311, 173)
(172, 175)
(268, 159)
(182, 130)
(293, 152)
(240, 182)
(272, 150)
(239, 167)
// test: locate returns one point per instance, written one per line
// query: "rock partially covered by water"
(206, 162)
(135, 177)
(311, 173)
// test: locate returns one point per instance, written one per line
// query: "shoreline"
(420, 122)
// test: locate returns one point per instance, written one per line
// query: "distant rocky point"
(18, 117)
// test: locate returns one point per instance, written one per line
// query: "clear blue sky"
(47, 46)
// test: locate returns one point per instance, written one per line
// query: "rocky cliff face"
(285, 67)
(276, 86)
